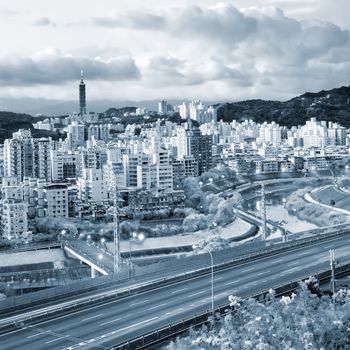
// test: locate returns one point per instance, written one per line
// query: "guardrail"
(171, 331)
(67, 307)
(30, 248)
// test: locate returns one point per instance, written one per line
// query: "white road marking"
(174, 311)
(251, 269)
(115, 320)
(280, 260)
(35, 335)
(92, 317)
(51, 341)
(194, 294)
(218, 279)
(205, 300)
(139, 302)
(262, 273)
(293, 263)
(131, 326)
(179, 290)
(157, 306)
(232, 282)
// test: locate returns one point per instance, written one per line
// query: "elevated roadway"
(117, 321)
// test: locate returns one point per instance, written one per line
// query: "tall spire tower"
(82, 95)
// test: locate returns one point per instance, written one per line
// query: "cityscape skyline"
(274, 51)
(175, 177)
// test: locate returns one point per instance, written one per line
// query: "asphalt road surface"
(108, 324)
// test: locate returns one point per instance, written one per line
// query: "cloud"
(133, 19)
(51, 67)
(170, 70)
(7, 12)
(220, 22)
(266, 30)
(210, 52)
(44, 22)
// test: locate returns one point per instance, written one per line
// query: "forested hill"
(332, 105)
(10, 122)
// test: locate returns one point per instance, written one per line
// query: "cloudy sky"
(155, 49)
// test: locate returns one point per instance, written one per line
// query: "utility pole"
(116, 252)
(263, 211)
(332, 262)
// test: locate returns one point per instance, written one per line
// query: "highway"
(116, 321)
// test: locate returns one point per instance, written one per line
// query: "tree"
(301, 321)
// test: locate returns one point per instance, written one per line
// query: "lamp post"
(212, 276)
(103, 243)
(61, 234)
(134, 236)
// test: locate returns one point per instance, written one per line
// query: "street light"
(61, 234)
(135, 236)
(212, 276)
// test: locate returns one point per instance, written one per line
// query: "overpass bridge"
(91, 256)
(122, 317)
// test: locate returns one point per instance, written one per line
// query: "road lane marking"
(136, 324)
(218, 279)
(293, 263)
(205, 300)
(251, 269)
(92, 317)
(194, 294)
(115, 320)
(280, 260)
(37, 334)
(262, 273)
(179, 290)
(174, 311)
(232, 282)
(139, 302)
(59, 338)
(157, 306)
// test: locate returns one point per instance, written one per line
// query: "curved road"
(108, 324)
